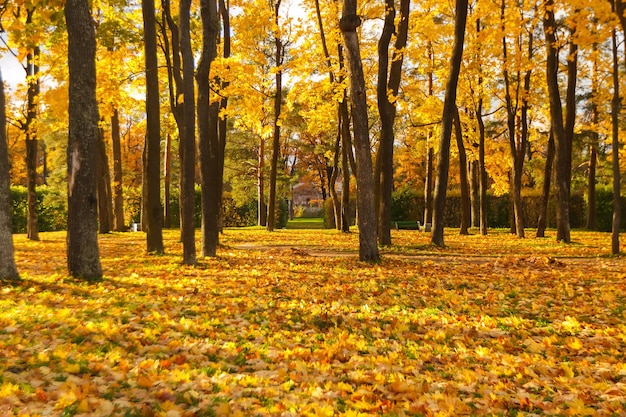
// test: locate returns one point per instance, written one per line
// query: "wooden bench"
(406, 225)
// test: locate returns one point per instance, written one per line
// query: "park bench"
(407, 225)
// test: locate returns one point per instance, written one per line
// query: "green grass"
(306, 223)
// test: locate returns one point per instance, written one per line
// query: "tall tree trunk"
(8, 270)
(347, 156)
(463, 167)
(224, 9)
(83, 255)
(207, 126)
(368, 248)
(429, 182)
(153, 221)
(187, 141)
(167, 182)
(32, 142)
(118, 193)
(449, 105)
(593, 154)
(332, 181)
(615, 110)
(260, 184)
(389, 84)
(545, 194)
(475, 193)
(278, 98)
(562, 148)
(103, 177)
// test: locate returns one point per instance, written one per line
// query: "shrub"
(51, 209)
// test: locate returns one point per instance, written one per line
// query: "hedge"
(406, 205)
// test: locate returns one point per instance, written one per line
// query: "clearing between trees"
(290, 323)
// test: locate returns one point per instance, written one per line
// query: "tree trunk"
(187, 141)
(615, 110)
(545, 194)
(153, 221)
(207, 126)
(449, 105)
(332, 181)
(103, 175)
(222, 123)
(347, 156)
(278, 98)
(167, 182)
(260, 169)
(463, 167)
(562, 148)
(593, 155)
(32, 142)
(368, 248)
(118, 194)
(83, 256)
(430, 153)
(8, 270)
(475, 193)
(389, 85)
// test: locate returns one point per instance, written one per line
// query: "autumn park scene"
(312, 208)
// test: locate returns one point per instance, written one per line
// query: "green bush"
(51, 209)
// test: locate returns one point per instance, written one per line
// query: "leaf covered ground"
(292, 324)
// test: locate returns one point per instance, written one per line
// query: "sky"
(12, 71)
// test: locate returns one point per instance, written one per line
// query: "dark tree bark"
(389, 84)
(278, 98)
(118, 193)
(615, 110)
(167, 182)
(463, 168)
(429, 181)
(368, 248)
(593, 153)
(545, 194)
(83, 256)
(346, 156)
(517, 141)
(222, 122)
(562, 139)
(449, 105)
(153, 217)
(475, 193)
(32, 141)
(8, 270)
(260, 184)
(207, 125)
(103, 178)
(187, 142)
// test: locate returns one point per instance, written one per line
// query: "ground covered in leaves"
(292, 324)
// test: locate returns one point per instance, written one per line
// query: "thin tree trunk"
(83, 255)
(8, 269)
(332, 181)
(153, 221)
(449, 105)
(261, 211)
(593, 154)
(347, 156)
(465, 193)
(118, 193)
(615, 110)
(475, 193)
(187, 141)
(368, 248)
(167, 182)
(545, 194)
(32, 142)
(103, 175)
(278, 98)
(222, 123)
(430, 153)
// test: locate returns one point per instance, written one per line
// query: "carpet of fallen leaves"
(292, 324)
